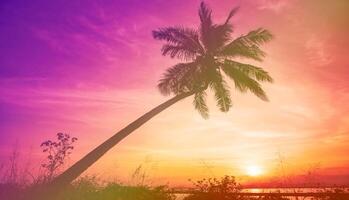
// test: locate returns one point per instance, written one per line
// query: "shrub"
(225, 188)
(58, 151)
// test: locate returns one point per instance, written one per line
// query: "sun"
(254, 170)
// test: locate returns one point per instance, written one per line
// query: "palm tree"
(208, 54)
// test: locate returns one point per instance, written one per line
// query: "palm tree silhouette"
(208, 52)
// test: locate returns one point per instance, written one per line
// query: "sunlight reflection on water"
(277, 190)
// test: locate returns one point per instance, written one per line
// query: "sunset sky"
(88, 68)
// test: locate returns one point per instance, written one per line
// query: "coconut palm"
(207, 55)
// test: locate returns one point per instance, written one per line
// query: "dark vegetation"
(227, 188)
(17, 184)
(23, 185)
(57, 152)
(88, 189)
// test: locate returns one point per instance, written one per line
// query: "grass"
(21, 184)
(89, 188)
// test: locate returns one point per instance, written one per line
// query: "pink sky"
(89, 69)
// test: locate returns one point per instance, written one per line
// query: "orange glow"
(254, 170)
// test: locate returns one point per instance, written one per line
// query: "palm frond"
(200, 103)
(221, 34)
(178, 51)
(243, 82)
(206, 23)
(177, 79)
(205, 15)
(222, 94)
(178, 37)
(239, 49)
(214, 36)
(231, 14)
(250, 70)
(258, 36)
(248, 45)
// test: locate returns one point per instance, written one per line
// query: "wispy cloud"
(274, 5)
(318, 52)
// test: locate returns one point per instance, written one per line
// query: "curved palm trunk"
(79, 167)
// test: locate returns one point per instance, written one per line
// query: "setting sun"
(254, 170)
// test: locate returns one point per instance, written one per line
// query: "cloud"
(274, 5)
(317, 51)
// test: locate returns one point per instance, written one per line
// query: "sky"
(88, 68)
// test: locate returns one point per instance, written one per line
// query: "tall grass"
(12, 187)
(18, 183)
(89, 189)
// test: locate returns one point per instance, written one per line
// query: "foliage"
(226, 188)
(58, 151)
(208, 52)
(216, 189)
(88, 189)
